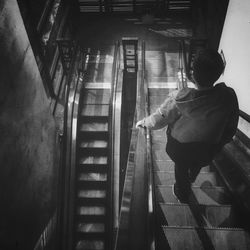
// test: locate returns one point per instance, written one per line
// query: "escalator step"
(204, 195)
(95, 110)
(161, 165)
(90, 245)
(93, 96)
(90, 227)
(100, 177)
(159, 153)
(91, 201)
(96, 118)
(190, 238)
(92, 151)
(99, 135)
(94, 126)
(90, 234)
(91, 194)
(203, 179)
(94, 160)
(88, 210)
(196, 215)
(93, 168)
(93, 144)
(90, 218)
(92, 184)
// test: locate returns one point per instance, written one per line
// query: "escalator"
(210, 220)
(89, 206)
(151, 217)
(93, 191)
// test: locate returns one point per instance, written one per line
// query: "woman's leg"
(182, 185)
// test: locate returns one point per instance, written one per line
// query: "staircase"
(93, 191)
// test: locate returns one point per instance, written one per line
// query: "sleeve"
(166, 114)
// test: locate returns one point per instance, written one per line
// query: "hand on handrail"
(140, 124)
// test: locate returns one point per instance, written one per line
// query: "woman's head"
(207, 67)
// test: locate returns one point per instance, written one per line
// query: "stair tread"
(91, 218)
(91, 143)
(92, 151)
(94, 110)
(93, 168)
(202, 195)
(92, 184)
(95, 160)
(94, 126)
(94, 201)
(91, 96)
(96, 177)
(196, 215)
(86, 135)
(203, 179)
(89, 227)
(206, 238)
(93, 244)
(91, 118)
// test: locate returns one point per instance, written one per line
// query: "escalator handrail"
(149, 165)
(114, 137)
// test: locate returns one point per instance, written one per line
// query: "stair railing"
(149, 164)
(114, 139)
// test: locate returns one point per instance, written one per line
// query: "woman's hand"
(140, 124)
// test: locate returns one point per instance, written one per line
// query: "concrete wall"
(28, 148)
(235, 43)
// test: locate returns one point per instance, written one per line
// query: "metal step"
(190, 238)
(89, 228)
(91, 118)
(210, 179)
(91, 218)
(93, 151)
(93, 244)
(91, 201)
(93, 126)
(90, 210)
(196, 215)
(95, 96)
(93, 168)
(90, 235)
(98, 135)
(95, 110)
(204, 195)
(97, 177)
(93, 144)
(95, 160)
(161, 165)
(92, 184)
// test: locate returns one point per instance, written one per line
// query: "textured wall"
(28, 153)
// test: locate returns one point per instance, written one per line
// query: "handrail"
(114, 139)
(245, 116)
(150, 183)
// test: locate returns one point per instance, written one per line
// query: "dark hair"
(207, 67)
